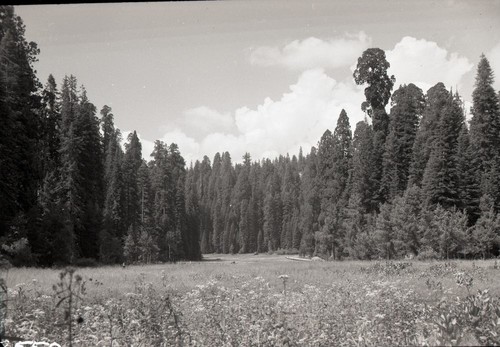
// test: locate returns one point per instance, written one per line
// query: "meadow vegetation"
(259, 300)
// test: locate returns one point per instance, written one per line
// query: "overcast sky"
(264, 77)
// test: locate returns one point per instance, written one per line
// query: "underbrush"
(377, 304)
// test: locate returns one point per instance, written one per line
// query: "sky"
(264, 77)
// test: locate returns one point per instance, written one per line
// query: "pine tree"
(132, 161)
(452, 229)
(42, 240)
(113, 227)
(405, 219)
(70, 189)
(20, 174)
(437, 99)
(361, 176)
(485, 122)
(272, 213)
(206, 223)
(384, 235)
(440, 183)
(407, 105)
(485, 131)
(469, 180)
(486, 231)
(240, 198)
(216, 207)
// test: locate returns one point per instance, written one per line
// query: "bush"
(19, 253)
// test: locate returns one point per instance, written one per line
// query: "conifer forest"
(416, 178)
(360, 209)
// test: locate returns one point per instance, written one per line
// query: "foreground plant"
(69, 290)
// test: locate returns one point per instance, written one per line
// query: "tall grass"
(263, 301)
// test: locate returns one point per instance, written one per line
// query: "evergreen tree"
(485, 131)
(113, 227)
(407, 105)
(70, 189)
(272, 213)
(437, 99)
(469, 180)
(240, 198)
(384, 234)
(440, 182)
(192, 234)
(132, 161)
(486, 231)
(309, 204)
(372, 70)
(452, 229)
(485, 122)
(361, 175)
(290, 207)
(405, 219)
(20, 174)
(206, 223)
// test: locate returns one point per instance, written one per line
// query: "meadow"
(264, 300)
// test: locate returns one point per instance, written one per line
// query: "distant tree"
(405, 219)
(372, 70)
(309, 204)
(240, 198)
(437, 98)
(485, 122)
(361, 176)
(440, 183)
(132, 162)
(206, 223)
(485, 131)
(407, 105)
(452, 228)
(384, 233)
(113, 228)
(486, 231)
(192, 206)
(272, 213)
(469, 177)
(354, 225)
(290, 207)
(20, 132)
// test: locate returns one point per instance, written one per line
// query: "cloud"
(203, 120)
(493, 57)
(424, 63)
(313, 53)
(297, 119)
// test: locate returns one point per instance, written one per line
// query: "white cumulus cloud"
(424, 63)
(297, 119)
(203, 120)
(313, 53)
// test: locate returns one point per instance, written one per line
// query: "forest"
(414, 179)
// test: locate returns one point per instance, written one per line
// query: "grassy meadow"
(264, 300)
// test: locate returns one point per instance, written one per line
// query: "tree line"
(70, 194)
(418, 180)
